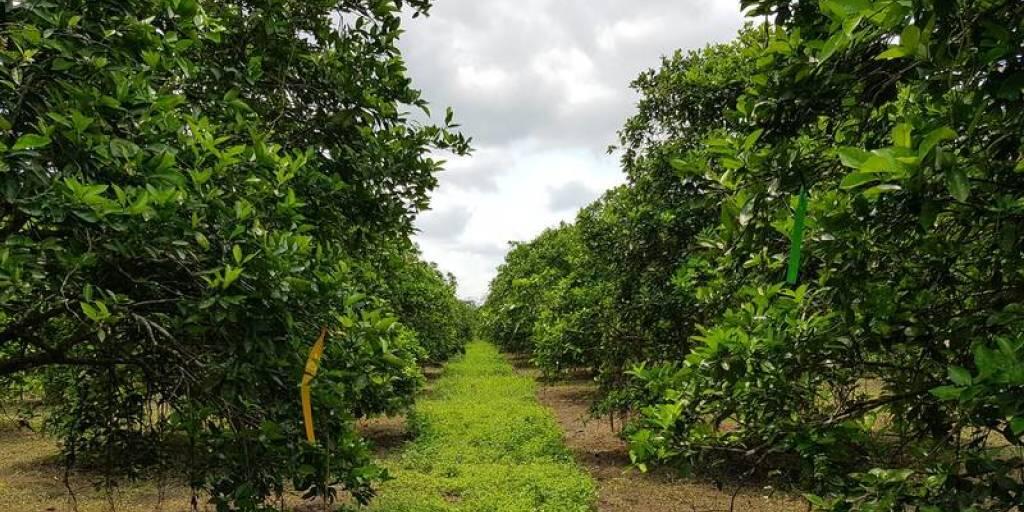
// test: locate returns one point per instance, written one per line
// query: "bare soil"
(31, 477)
(597, 447)
(386, 433)
(32, 480)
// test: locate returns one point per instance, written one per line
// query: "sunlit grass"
(484, 444)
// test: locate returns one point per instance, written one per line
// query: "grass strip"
(484, 443)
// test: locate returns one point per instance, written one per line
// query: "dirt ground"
(621, 488)
(387, 434)
(32, 477)
(32, 480)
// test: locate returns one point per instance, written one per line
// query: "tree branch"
(17, 329)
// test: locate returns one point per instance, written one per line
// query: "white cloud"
(542, 87)
(482, 79)
(571, 71)
(611, 36)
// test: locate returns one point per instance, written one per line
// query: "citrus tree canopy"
(191, 190)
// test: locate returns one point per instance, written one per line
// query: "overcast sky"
(542, 86)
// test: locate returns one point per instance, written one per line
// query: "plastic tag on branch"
(312, 365)
(797, 238)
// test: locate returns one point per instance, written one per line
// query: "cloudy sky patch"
(542, 86)
(571, 196)
(444, 225)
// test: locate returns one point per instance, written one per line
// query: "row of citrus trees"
(890, 374)
(191, 191)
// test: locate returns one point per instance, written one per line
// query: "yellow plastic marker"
(312, 364)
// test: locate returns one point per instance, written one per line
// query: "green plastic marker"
(797, 238)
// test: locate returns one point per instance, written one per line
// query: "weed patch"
(484, 443)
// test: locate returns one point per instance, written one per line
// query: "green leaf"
(231, 274)
(1017, 425)
(883, 160)
(122, 148)
(901, 135)
(202, 241)
(1007, 348)
(751, 139)
(151, 58)
(730, 163)
(97, 311)
(956, 182)
(910, 38)
(929, 212)
(877, 190)
(852, 157)
(31, 141)
(60, 64)
(947, 392)
(933, 138)
(856, 179)
(59, 118)
(838, 41)
(850, 24)
(80, 122)
(896, 52)
(846, 8)
(89, 311)
(960, 376)
(986, 361)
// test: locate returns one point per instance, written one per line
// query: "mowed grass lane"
(484, 443)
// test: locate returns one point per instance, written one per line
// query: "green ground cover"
(484, 443)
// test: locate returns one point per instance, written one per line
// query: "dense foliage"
(424, 298)
(891, 376)
(611, 299)
(192, 189)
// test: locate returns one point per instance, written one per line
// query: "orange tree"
(425, 299)
(901, 120)
(516, 302)
(891, 375)
(192, 189)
